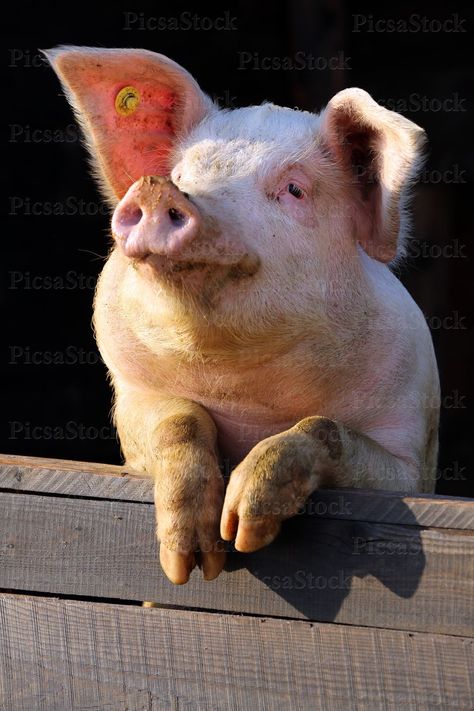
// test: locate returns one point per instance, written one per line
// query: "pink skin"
(248, 291)
(164, 226)
(158, 226)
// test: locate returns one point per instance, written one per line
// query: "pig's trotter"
(280, 472)
(189, 491)
(174, 441)
(275, 479)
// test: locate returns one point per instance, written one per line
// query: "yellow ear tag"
(127, 100)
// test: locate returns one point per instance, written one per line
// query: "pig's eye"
(295, 191)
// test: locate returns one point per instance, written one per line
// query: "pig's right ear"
(132, 105)
(381, 153)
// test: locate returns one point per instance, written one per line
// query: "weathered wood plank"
(390, 507)
(382, 575)
(61, 654)
(62, 476)
(88, 479)
(46, 463)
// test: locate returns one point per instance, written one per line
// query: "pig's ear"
(381, 151)
(132, 105)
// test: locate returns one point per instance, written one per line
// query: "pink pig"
(247, 311)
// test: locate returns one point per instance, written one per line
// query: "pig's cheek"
(301, 212)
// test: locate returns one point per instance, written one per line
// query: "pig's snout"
(155, 217)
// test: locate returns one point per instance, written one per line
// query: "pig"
(248, 312)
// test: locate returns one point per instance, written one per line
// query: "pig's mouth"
(187, 266)
(164, 266)
(196, 281)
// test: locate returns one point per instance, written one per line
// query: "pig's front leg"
(280, 472)
(175, 442)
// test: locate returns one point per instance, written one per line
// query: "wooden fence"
(365, 601)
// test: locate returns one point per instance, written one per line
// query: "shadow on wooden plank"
(314, 583)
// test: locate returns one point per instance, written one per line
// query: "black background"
(62, 410)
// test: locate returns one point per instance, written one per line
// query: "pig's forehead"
(264, 122)
(249, 135)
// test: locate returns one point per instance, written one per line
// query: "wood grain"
(92, 480)
(382, 575)
(69, 478)
(61, 654)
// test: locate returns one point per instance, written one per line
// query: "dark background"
(56, 399)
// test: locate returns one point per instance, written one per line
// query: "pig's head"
(247, 215)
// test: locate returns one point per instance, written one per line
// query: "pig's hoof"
(189, 537)
(268, 486)
(251, 534)
(188, 508)
(211, 564)
(178, 566)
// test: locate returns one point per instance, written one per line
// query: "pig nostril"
(176, 216)
(131, 216)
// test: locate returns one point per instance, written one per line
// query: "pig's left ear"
(133, 105)
(380, 150)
